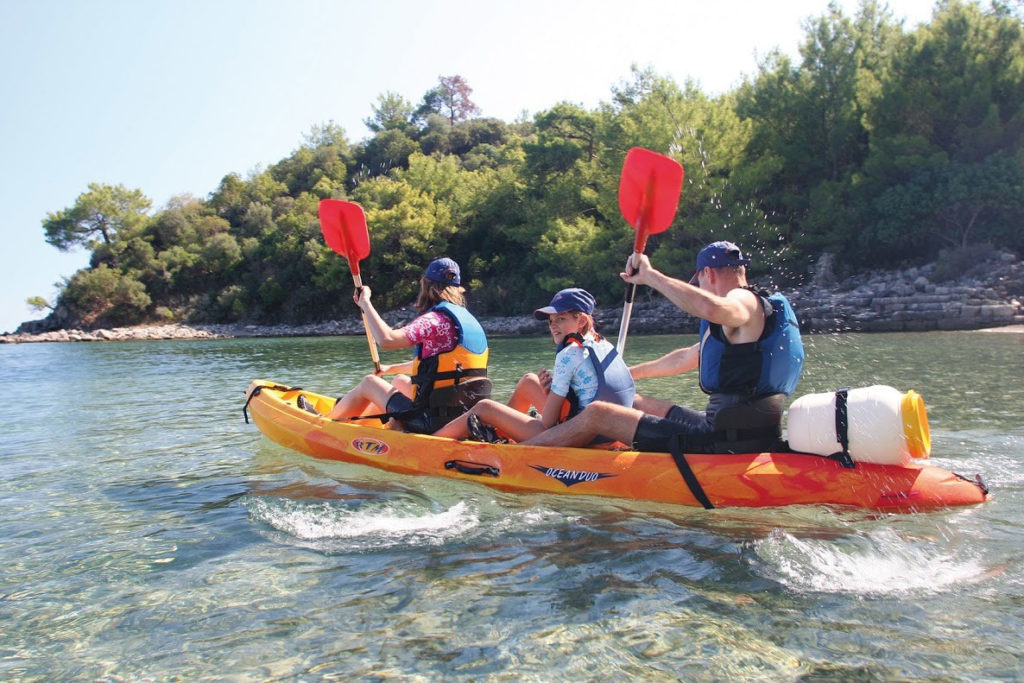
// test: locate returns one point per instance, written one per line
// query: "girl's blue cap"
(572, 299)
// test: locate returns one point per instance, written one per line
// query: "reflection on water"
(149, 533)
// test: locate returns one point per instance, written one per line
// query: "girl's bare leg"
(597, 419)
(528, 392)
(515, 424)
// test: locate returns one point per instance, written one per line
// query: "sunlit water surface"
(148, 532)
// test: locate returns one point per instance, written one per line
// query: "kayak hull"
(727, 480)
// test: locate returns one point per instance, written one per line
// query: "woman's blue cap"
(443, 270)
(572, 299)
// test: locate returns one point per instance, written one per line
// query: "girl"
(587, 368)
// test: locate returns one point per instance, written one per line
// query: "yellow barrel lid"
(915, 425)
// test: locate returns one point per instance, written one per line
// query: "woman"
(449, 368)
(587, 368)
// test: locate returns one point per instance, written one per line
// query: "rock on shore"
(877, 301)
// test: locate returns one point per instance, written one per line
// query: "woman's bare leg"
(403, 383)
(371, 392)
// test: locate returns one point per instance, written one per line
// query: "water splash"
(876, 563)
(326, 525)
(763, 234)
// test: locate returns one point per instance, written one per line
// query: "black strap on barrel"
(843, 429)
(675, 447)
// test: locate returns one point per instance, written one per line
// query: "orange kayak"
(715, 480)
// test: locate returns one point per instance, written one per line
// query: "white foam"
(880, 562)
(376, 524)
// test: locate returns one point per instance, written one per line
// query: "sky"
(170, 96)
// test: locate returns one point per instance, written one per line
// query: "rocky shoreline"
(986, 296)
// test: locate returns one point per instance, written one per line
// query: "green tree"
(102, 214)
(104, 295)
(387, 150)
(319, 166)
(38, 303)
(947, 137)
(392, 112)
(407, 229)
(808, 140)
(707, 137)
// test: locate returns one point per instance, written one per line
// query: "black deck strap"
(675, 447)
(257, 390)
(842, 457)
(473, 468)
(843, 429)
(383, 417)
(458, 374)
(400, 415)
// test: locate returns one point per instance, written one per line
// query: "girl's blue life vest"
(770, 365)
(467, 360)
(614, 383)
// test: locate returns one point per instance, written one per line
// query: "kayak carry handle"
(473, 468)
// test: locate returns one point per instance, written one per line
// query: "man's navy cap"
(719, 255)
(572, 299)
(443, 270)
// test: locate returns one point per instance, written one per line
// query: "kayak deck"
(744, 480)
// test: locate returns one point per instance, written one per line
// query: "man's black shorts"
(731, 422)
(654, 433)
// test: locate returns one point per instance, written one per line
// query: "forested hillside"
(883, 145)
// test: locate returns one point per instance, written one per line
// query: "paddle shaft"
(358, 282)
(627, 307)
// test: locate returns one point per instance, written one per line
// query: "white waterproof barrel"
(883, 425)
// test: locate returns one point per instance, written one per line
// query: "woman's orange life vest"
(467, 360)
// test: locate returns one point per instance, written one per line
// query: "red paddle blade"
(649, 193)
(344, 227)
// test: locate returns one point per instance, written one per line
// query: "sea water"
(147, 532)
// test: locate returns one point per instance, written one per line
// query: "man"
(750, 357)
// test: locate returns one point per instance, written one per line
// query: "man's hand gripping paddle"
(344, 227)
(648, 196)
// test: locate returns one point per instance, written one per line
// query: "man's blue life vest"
(614, 383)
(770, 365)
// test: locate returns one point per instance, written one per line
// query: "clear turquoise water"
(147, 532)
